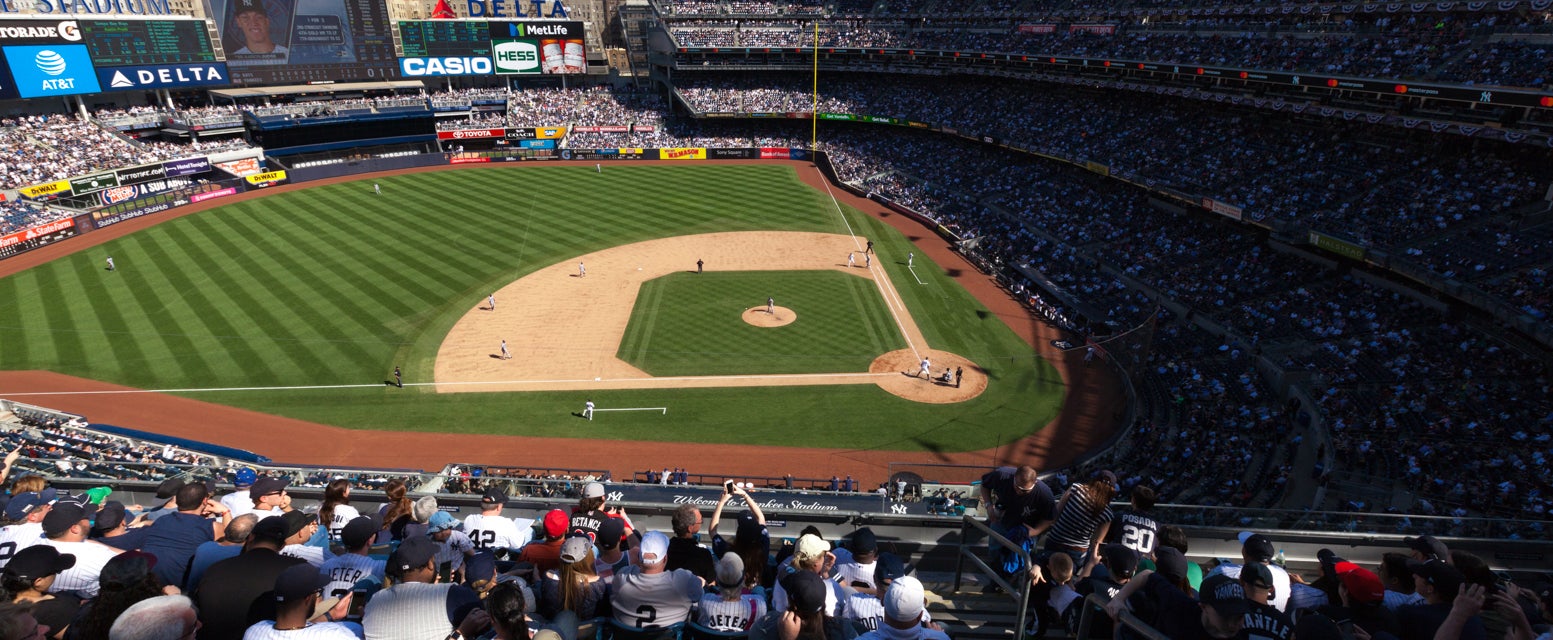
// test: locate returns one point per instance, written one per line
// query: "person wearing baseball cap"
(855, 565)
(489, 531)
(1151, 592)
(1255, 548)
(239, 501)
(751, 540)
(416, 606)
(301, 528)
(575, 587)
(1427, 547)
(611, 550)
(297, 590)
(232, 589)
(866, 610)
(1438, 583)
(454, 547)
(167, 492)
(1361, 598)
(1120, 563)
(1262, 620)
(269, 496)
(811, 554)
(650, 586)
(255, 25)
(66, 527)
(905, 604)
(30, 577)
(355, 565)
(729, 609)
(591, 511)
(27, 510)
(803, 613)
(546, 554)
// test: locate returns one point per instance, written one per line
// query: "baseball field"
(301, 304)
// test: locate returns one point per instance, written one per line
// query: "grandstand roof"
(294, 89)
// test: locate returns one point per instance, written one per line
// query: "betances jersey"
(587, 523)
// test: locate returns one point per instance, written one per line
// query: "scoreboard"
(444, 38)
(121, 43)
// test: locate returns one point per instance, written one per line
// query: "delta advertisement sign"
(163, 76)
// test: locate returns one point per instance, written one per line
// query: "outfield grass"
(333, 285)
(688, 324)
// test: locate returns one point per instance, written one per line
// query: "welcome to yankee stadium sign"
(109, 7)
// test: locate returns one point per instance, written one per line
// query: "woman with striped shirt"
(1083, 518)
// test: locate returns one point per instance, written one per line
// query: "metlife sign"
(163, 75)
(516, 56)
(51, 70)
(448, 66)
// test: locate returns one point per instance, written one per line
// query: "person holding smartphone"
(751, 541)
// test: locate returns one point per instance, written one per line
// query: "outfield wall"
(113, 212)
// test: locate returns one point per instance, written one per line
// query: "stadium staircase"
(968, 614)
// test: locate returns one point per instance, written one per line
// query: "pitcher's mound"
(757, 316)
(907, 381)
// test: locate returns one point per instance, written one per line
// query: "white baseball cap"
(905, 599)
(655, 547)
(809, 547)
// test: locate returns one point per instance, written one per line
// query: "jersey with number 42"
(489, 533)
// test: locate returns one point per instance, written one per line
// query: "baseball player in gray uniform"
(507, 355)
(851, 260)
(771, 306)
(582, 270)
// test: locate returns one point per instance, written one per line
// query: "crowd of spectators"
(1438, 47)
(1419, 195)
(1406, 390)
(47, 147)
(54, 446)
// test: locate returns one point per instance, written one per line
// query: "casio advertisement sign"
(448, 66)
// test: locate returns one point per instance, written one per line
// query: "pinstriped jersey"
(346, 570)
(89, 560)
(313, 631)
(489, 533)
(737, 615)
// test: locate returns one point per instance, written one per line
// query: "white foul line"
(913, 271)
(780, 376)
(881, 279)
(664, 409)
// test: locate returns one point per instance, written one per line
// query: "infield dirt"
(1089, 417)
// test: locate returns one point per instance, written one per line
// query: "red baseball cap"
(556, 523)
(1362, 584)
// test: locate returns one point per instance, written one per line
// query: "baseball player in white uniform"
(490, 302)
(598, 167)
(376, 190)
(927, 369)
(910, 257)
(489, 531)
(505, 354)
(851, 260)
(110, 263)
(771, 306)
(587, 409)
(582, 270)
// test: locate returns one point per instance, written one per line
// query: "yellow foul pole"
(814, 108)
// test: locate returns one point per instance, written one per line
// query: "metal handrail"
(1021, 596)
(1095, 600)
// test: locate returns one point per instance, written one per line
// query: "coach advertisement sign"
(808, 502)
